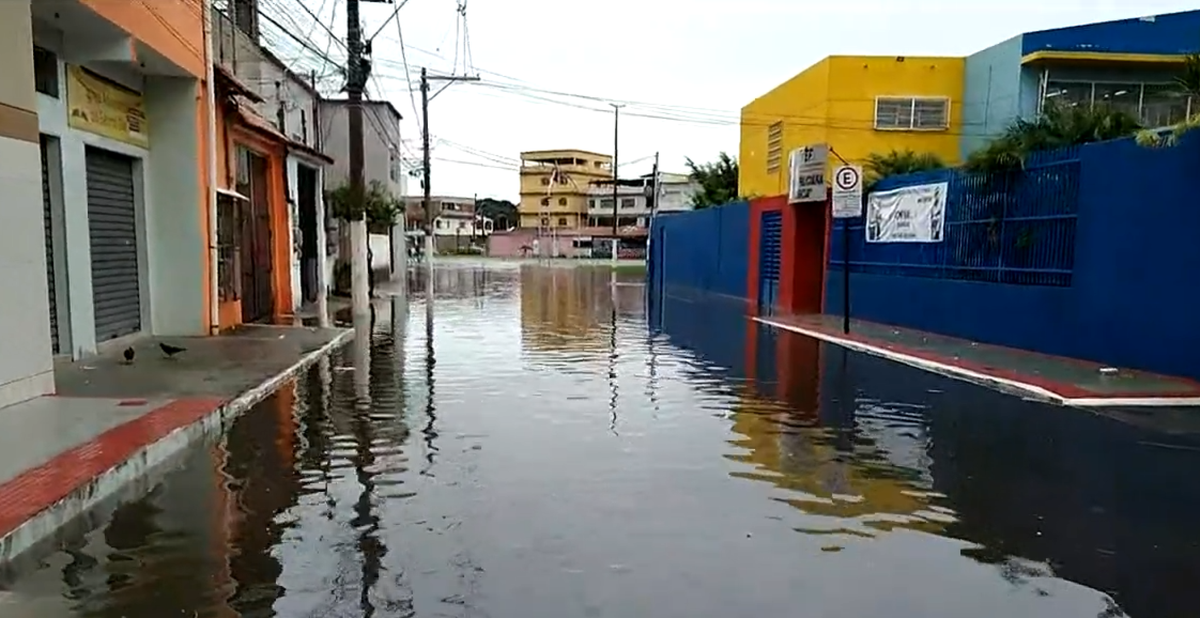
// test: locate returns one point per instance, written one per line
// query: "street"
(543, 443)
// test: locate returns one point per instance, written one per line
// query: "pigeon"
(128, 354)
(171, 350)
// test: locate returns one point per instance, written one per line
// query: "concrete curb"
(1004, 385)
(108, 483)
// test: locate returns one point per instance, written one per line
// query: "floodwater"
(555, 446)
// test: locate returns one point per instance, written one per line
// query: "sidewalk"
(1040, 376)
(111, 422)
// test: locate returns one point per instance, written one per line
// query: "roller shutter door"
(771, 232)
(49, 244)
(112, 226)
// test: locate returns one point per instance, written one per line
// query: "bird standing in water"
(171, 350)
(128, 354)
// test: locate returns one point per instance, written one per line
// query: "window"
(606, 204)
(562, 201)
(593, 203)
(1156, 105)
(1163, 105)
(45, 72)
(562, 222)
(228, 246)
(774, 147)
(545, 201)
(627, 202)
(912, 113)
(545, 181)
(545, 221)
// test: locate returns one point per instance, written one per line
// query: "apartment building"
(637, 202)
(556, 186)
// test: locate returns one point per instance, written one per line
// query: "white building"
(635, 201)
(99, 246)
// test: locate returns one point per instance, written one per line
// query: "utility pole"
(426, 201)
(358, 71)
(616, 182)
(654, 190)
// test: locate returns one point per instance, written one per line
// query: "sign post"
(846, 204)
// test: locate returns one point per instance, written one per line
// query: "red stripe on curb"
(1187, 388)
(37, 489)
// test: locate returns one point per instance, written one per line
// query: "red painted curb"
(39, 488)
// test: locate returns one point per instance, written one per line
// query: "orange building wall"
(173, 28)
(281, 250)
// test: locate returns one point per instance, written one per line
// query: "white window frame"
(912, 117)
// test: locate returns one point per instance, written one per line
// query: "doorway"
(253, 176)
(306, 196)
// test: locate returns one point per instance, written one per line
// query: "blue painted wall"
(1133, 296)
(704, 250)
(1172, 33)
(991, 94)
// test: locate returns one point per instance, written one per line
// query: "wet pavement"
(549, 445)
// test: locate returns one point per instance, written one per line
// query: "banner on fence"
(908, 214)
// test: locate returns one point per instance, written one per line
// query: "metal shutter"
(49, 243)
(112, 227)
(771, 230)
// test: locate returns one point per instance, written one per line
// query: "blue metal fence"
(1012, 228)
(705, 250)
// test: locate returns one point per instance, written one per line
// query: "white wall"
(171, 244)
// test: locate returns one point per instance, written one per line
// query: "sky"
(684, 68)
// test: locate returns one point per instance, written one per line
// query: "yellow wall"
(591, 166)
(833, 101)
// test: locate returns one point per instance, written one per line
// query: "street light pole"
(616, 177)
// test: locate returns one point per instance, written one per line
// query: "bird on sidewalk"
(128, 354)
(171, 350)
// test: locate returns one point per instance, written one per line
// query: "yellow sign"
(98, 105)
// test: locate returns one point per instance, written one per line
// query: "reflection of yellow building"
(789, 450)
(558, 308)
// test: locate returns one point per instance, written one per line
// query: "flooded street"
(552, 446)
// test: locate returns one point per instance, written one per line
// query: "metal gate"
(46, 210)
(770, 231)
(257, 299)
(112, 226)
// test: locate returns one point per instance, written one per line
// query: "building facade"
(556, 186)
(637, 201)
(1128, 64)
(953, 106)
(859, 105)
(291, 104)
(382, 161)
(101, 134)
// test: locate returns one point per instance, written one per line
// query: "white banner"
(806, 174)
(909, 214)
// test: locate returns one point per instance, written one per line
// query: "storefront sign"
(99, 105)
(806, 174)
(909, 214)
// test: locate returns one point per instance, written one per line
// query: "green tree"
(377, 204)
(718, 181)
(1188, 82)
(503, 213)
(1058, 126)
(880, 166)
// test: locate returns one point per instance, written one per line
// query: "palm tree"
(1188, 82)
(1058, 126)
(880, 166)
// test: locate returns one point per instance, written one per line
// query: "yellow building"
(858, 105)
(554, 186)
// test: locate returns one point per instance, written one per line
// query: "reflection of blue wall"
(1104, 502)
(714, 327)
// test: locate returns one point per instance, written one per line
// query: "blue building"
(1129, 63)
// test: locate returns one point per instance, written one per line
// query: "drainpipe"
(214, 314)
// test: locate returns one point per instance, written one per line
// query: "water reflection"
(541, 442)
